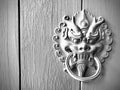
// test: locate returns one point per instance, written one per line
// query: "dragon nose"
(85, 48)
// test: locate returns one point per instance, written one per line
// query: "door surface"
(9, 63)
(40, 68)
(27, 58)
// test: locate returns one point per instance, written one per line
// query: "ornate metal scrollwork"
(82, 44)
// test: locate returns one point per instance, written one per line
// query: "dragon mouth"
(81, 58)
(81, 62)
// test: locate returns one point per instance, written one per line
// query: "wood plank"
(41, 70)
(9, 69)
(109, 79)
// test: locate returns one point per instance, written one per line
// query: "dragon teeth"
(83, 56)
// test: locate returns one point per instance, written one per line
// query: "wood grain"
(110, 77)
(9, 69)
(41, 70)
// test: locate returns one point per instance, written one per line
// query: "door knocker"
(82, 42)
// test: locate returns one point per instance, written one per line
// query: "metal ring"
(98, 63)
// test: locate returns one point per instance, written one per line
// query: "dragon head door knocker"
(82, 44)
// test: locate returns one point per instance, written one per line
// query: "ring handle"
(67, 66)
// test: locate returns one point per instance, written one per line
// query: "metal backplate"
(82, 42)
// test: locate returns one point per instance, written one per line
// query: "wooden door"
(109, 80)
(9, 62)
(39, 68)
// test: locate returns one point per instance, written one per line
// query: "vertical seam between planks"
(79, 85)
(19, 45)
(82, 7)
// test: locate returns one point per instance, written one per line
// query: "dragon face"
(80, 37)
(83, 36)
